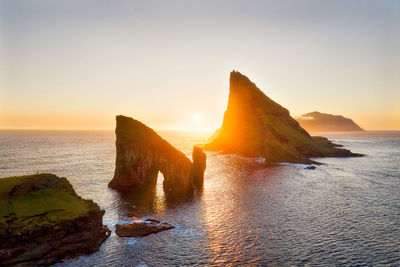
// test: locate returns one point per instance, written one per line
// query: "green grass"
(38, 200)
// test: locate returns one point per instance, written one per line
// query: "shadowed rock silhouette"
(199, 166)
(142, 153)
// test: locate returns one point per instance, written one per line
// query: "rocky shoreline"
(43, 221)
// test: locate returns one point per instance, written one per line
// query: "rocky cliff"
(199, 166)
(43, 221)
(142, 153)
(323, 122)
(256, 126)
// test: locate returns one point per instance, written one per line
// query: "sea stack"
(142, 153)
(43, 221)
(323, 122)
(199, 166)
(256, 126)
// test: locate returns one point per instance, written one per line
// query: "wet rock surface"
(142, 227)
(310, 167)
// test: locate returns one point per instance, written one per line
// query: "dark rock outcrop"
(199, 166)
(43, 221)
(139, 228)
(256, 126)
(312, 167)
(142, 153)
(323, 122)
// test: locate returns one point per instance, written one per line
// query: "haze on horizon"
(78, 64)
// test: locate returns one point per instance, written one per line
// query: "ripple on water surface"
(345, 212)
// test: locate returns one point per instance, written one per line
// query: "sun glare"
(197, 117)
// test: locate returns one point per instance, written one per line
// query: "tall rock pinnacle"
(254, 125)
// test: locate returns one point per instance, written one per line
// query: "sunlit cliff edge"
(254, 125)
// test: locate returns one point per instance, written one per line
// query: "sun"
(196, 123)
(197, 117)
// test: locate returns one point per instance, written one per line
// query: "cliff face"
(199, 166)
(142, 153)
(256, 126)
(323, 122)
(43, 221)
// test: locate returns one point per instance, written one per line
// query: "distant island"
(324, 122)
(256, 126)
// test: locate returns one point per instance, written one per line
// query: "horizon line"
(159, 129)
(92, 129)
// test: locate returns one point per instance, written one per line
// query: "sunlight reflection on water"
(345, 212)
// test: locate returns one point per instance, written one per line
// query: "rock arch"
(142, 153)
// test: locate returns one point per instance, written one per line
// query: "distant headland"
(324, 122)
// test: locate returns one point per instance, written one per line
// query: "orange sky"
(77, 65)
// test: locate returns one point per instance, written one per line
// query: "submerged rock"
(310, 167)
(142, 153)
(139, 228)
(256, 126)
(43, 221)
(323, 122)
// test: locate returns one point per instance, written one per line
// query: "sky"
(77, 64)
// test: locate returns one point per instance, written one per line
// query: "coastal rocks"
(311, 167)
(256, 126)
(199, 166)
(142, 153)
(323, 122)
(43, 221)
(140, 228)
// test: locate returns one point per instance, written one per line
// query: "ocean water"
(345, 212)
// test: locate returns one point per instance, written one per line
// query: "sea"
(346, 212)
